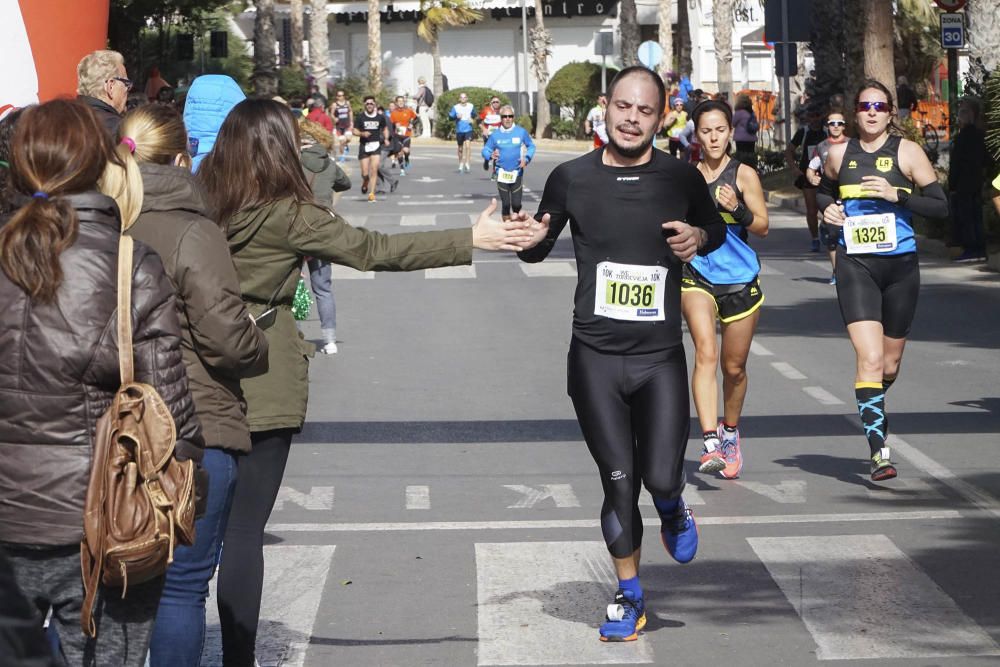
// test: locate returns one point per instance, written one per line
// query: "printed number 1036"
(630, 294)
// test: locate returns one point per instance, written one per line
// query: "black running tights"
(241, 569)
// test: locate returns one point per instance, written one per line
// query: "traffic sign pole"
(952, 39)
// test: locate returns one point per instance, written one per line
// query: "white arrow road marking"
(561, 494)
(318, 498)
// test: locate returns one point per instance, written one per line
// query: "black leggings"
(241, 569)
(510, 194)
(635, 417)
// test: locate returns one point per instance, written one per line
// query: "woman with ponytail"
(162, 206)
(59, 371)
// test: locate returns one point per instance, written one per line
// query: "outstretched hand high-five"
(491, 234)
(538, 231)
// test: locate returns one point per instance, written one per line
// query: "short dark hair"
(653, 76)
(369, 97)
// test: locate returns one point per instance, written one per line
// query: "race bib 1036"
(870, 233)
(630, 292)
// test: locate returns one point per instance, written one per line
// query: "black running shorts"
(732, 302)
(879, 288)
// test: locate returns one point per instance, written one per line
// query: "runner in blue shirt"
(511, 148)
(463, 113)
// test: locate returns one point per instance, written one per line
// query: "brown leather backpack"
(140, 499)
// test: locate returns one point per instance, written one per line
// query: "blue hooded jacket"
(209, 100)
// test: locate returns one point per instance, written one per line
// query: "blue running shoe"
(626, 616)
(680, 534)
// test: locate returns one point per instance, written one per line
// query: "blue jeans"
(319, 279)
(179, 632)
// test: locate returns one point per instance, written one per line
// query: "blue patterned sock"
(871, 407)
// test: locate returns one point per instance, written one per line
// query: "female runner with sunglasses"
(867, 189)
(723, 285)
(836, 126)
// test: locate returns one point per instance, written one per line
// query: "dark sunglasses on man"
(122, 80)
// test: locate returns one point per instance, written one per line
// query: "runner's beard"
(630, 152)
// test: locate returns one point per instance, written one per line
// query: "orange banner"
(44, 41)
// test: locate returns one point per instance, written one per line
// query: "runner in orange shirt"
(402, 130)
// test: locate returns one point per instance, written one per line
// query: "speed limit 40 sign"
(952, 31)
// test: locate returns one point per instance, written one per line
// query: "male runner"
(489, 120)
(343, 118)
(511, 148)
(462, 113)
(595, 121)
(829, 235)
(402, 128)
(627, 374)
(372, 129)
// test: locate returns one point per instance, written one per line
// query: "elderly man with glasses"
(103, 84)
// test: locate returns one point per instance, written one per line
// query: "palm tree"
(295, 9)
(319, 44)
(628, 25)
(878, 36)
(984, 32)
(265, 79)
(666, 37)
(439, 14)
(540, 41)
(722, 27)
(374, 48)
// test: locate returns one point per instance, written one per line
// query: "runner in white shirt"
(595, 122)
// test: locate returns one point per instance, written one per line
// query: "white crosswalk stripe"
(549, 270)
(862, 598)
(451, 272)
(294, 577)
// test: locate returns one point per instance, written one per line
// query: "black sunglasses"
(877, 106)
(506, 115)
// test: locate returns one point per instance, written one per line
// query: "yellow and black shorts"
(732, 302)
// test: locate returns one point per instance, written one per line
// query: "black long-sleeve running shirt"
(615, 216)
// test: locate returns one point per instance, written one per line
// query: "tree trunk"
(984, 32)
(878, 43)
(666, 39)
(722, 22)
(265, 79)
(319, 45)
(628, 26)
(684, 64)
(374, 48)
(436, 60)
(540, 42)
(298, 34)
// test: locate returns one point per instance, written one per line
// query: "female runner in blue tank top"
(724, 286)
(868, 190)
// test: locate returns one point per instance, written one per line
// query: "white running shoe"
(329, 348)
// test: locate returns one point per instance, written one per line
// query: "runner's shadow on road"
(848, 470)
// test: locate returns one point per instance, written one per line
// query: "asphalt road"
(440, 507)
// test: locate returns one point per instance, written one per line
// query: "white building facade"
(491, 52)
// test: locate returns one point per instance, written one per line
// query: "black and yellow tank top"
(884, 162)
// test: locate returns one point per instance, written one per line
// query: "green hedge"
(444, 127)
(575, 85)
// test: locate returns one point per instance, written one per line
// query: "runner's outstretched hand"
(683, 239)
(491, 234)
(538, 230)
